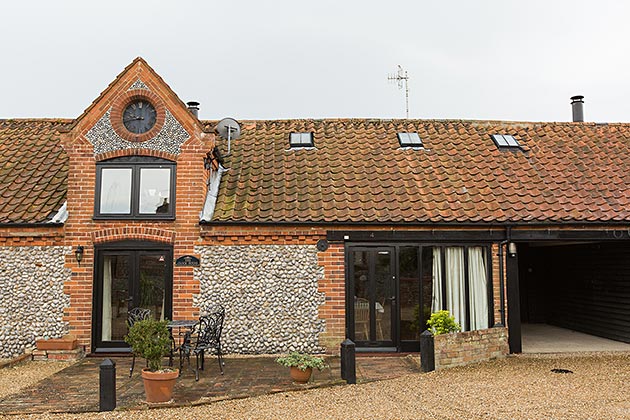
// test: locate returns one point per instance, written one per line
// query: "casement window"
(460, 284)
(135, 187)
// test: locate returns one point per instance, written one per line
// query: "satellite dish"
(228, 129)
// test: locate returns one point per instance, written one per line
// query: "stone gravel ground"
(14, 378)
(521, 387)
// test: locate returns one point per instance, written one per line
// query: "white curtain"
(106, 332)
(455, 288)
(436, 302)
(478, 288)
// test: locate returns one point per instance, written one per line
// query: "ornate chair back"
(133, 316)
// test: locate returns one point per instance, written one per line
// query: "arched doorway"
(129, 274)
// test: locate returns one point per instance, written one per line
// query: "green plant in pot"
(151, 340)
(301, 365)
(442, 322)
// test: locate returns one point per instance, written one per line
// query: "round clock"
(139, 116)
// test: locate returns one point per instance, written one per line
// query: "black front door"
(129, 275)
(372, 301)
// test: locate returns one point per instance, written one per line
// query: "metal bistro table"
(182, 326)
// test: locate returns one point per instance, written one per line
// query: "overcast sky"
(488, 59)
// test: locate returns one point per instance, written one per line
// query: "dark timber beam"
(514, 304)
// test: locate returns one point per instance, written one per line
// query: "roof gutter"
(499, 225)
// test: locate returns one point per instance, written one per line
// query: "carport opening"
(579, 287)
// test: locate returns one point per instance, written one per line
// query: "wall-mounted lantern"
(78, 254)
(512, 249)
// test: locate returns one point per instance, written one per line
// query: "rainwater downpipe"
(501, 275)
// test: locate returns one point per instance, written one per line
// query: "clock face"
(139, 116)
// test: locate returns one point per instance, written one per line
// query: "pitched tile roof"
(357, 172)
(33, 170)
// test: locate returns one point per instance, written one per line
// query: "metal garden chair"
(133, 316)
(204, 336)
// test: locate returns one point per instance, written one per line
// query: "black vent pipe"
(577, 105)
(193, 107)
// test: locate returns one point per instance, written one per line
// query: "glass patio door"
(126, 279)
(374, 305)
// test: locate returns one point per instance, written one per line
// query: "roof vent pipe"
(577, 105)
(193, 107)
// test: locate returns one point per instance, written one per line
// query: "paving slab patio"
(76, 388)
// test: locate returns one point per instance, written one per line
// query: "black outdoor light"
(78, 254)
(512, 249)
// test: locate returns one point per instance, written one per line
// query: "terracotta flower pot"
(158, 386)
(301, 376)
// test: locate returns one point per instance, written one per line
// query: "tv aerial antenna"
(402, 78)
(228, 129)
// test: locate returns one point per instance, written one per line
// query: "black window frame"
(136, 164)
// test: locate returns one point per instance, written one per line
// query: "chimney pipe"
(577, 105)
(193, 107)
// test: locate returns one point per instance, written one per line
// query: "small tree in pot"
(151, 340)
(301, 365)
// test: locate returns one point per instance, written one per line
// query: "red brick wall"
(82, 229)
(457, 349)
(52, 235)
(333, 286)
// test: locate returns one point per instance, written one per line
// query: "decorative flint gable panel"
(169, 139)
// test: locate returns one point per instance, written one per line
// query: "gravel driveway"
(521, 387)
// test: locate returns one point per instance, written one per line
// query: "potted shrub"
(301, 365)
(442, 322)
(151, 340)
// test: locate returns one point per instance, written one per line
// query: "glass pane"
(361, 296)
(411, 318)
(455, 288)
(115, 191)
(385, 296)
(511, 141)
(115, 297)
(478, 288)
(431, 284)
(155, 190)
(152, 273)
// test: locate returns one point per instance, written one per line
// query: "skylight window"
(409, 140)
(301, 140)
(505, 140)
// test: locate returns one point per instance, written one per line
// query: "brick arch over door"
(133, 233)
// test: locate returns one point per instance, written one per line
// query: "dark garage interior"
(582, 287)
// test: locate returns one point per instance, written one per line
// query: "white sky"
(486, 59)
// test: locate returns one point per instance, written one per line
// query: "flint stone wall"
(31, 296)
(270, 294)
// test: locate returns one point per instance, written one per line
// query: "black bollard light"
(427, 351)
(107, 385)
(348, 361)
